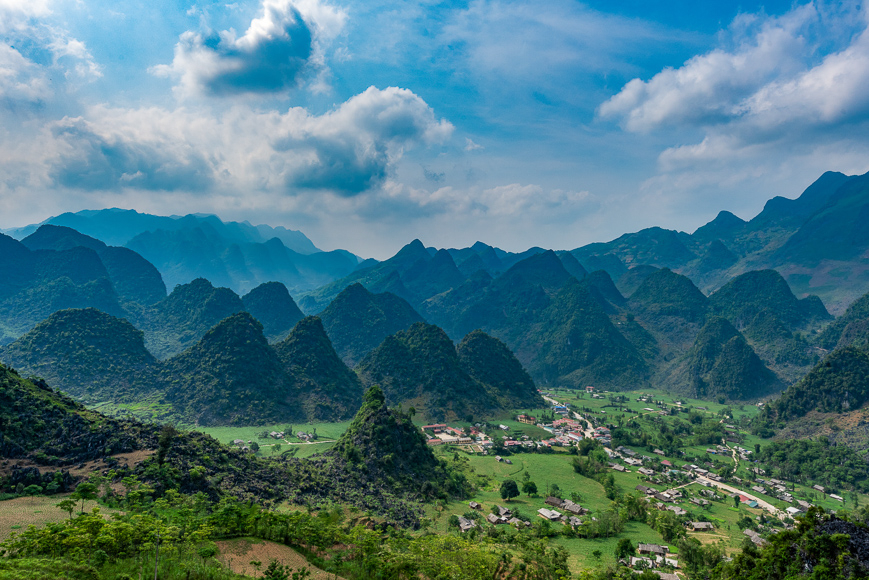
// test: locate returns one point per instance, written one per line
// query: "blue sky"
(369, 123)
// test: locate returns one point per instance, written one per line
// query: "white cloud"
(347, 151)
(278, 49)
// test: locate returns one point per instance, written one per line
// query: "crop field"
(18, 513)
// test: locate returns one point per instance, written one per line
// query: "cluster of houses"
(441, 434)
(503, 516)
(653, 556)
(570, 519)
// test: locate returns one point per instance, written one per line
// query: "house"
(793, 511)
(527, 419)
(804, 504)
(653, 549)
(818, 488)
(516, 522)
(665, 575)
(646, 471)
(700, 526)
(666, 463)
(465, 524)
(752, 504)
(573, 508)
(758, 489)
(474, 505)
(658, 452)
(837, 497)
(698, 501)
(640, 562)
(504, 512)
(551, 515)
(617, 467)
(677, 510)
(755, 537)
(633, 462)
(643, 489)
(494, 520)
(574, 521)
(554, 501)
(238, 442)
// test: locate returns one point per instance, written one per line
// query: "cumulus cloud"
(809, 66)
(346, 151)
(34, 54)
(273, 55)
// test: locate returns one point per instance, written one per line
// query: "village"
(698, 485)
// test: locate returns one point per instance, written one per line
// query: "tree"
(32, 490)
(736, 501)
(85, 491)
(509, 489)
(67, 505)
(624, 549)
(529, 488)
(164, 442)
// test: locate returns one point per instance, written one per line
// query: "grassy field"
(19, 513)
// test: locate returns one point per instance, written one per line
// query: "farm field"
(18, 513)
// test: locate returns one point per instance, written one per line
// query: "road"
(762, 503)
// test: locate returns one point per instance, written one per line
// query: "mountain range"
(713, 313)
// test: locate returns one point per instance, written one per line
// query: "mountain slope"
(231, 376)
(357, 321)
(838, 383)
(328, 390)
(489, 361)
(272, 305)
(722, 364)
(182, 318)
(133, 277)
(420, 367)
(87, 353)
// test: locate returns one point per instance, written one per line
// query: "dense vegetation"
(272, 305)
(88, 354)
(420, 367)
(722, 364)
(850, 329)
(489, 361)
(327, 389)
(816, 460)
(838, 383)
(358, 320)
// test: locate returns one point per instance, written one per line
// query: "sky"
(368, 123)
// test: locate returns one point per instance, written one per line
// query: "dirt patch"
(79, 470)
(238, 554)
(19, 513)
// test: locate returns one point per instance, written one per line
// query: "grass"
(327, 433)
(21, 512)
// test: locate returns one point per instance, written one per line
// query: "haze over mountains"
(704, 314)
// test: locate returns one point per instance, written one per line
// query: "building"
(465, 524)
(527, 419)
(653, 549)
(700, 526)
(547, 514)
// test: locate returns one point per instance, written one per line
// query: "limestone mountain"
(182, 318)
(420, 367)
(328, 390)
(38, 283)
(357, 321)
(231, 376)
(572, 342)
(489, 361)
(670, 307)
(741, 299)
(134, 278)
(385, 446)
(850, 329)
(49, 428)
(722, 364)
(272, 305)
(838, 383)
(88, 354)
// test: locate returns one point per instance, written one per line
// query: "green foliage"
(667, 294)
(815, 460)
(838, 383)
(328, 390)
(421, 364)
(850, 329)
(489, 361)
(87, 353)
(509, 489)
(272, 305)
(721, 363)
(358, 320)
